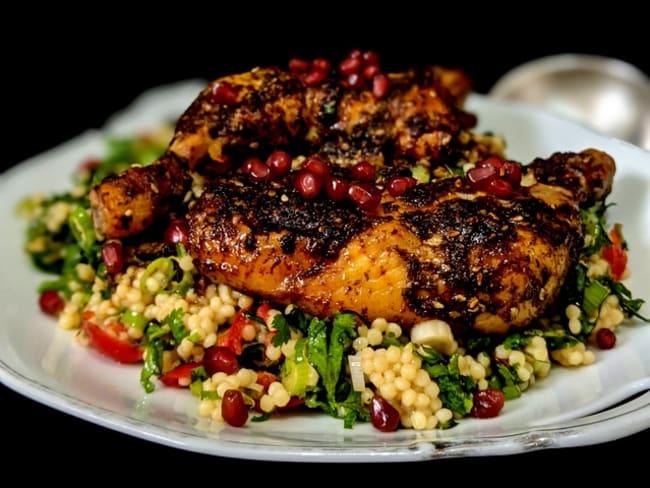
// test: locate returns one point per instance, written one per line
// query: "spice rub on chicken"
(336, 196)
(417, 116)
(443, 250)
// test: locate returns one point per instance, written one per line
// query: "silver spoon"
(606, 94)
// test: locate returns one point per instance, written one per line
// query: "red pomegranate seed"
(233, 408)
(314, 77)
(297, 65)
(605, 338)
(279, 162)
(354, 81)
(308, 184)
(369, 72)
(363, 171)
(316, 166)
(355, 54)
(499, 187)
(481, 175)
(487, 403)
(220, 359)
(51, 303)
(349, 66)
(512, 173)
(256, 169)
(383, 415)
(321, 64)
(370, 58)
(398, 185)
(113, 257)
(224, 93)
(492, 162)
(380, 85)
(336, 188)
(364, 195)
(176, 231)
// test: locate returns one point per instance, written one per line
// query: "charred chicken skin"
(445, 249)
(250, 114)
(442, 250)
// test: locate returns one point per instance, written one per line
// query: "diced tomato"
(180, 376)
(232, 338)
(616, 255)
(265, 378)
(263, 311)
(294, 402)
(108, 344)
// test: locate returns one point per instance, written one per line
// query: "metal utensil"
(606, 94)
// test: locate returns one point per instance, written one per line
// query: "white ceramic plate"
(593, 404)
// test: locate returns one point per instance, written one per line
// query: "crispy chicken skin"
(269, 108)
(125, 204)
(442, 250)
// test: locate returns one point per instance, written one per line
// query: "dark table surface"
(74, 78)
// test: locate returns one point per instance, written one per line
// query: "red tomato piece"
(232, 338)
(109, 345)
(616, 254)
(180, 376)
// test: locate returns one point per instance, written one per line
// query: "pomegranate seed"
(370, 58)
(355, 81)
(380, 85)
(279, 162)
(321, 64)
(176, 231)
(233, 408)
(492, 162)
(308, 184)
(363, 171)
(316, 166)
(481, 175)
(349, 66)
(51, 303)
(314, 77)
(398, 185)
(487, 403)
(112, 256)
(383, 415)
(224, 93)
(336, 188)
(220, 359)
(256, 169)
(355, 54)
(499, 187)
(364, 195)
(297, 65)
(512, 173)
(369, 72)
(605, 338)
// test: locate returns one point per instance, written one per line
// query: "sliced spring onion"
(133, 319)
(356, 373)
(594, 295)
(81, 226)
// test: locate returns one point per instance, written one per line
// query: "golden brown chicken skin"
(254, 113)
(442, 250)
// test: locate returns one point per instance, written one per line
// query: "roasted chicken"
(444, 249)
(250, 114)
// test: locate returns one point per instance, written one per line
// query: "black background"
(62, 77)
